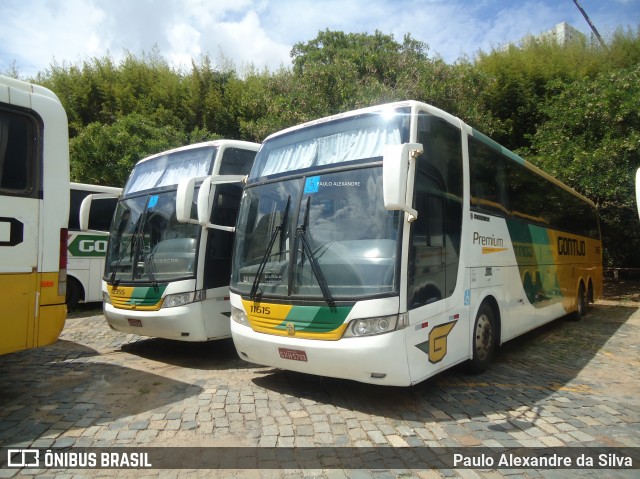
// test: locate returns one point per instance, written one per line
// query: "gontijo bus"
(386, 244)
(34, 208)
(167, 275)
(86, 250)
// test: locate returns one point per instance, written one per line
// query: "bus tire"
(581, 304)
(483, 340)
(74, 293)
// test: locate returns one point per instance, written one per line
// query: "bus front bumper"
(182, 323)
(377, 359)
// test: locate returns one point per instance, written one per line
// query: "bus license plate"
(135, 322)
(293, 354)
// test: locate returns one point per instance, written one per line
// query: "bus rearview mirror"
(398, 172)
(184, 200)
(206, 197)
(205, 201)
(85, 209)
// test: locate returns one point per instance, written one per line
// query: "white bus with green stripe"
(167, 276)
(387, 244)
(86, 250)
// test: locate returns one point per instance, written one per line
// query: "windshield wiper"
(150, 266)
(279, 230)
(301, 232)
(129, 244)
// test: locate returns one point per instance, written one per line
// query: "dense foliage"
(572, 110)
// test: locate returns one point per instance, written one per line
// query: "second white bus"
(166, 275)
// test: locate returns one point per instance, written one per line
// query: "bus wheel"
(484, 340)
(73, 293)
(581, 299)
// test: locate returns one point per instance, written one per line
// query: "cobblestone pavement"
(565, 384)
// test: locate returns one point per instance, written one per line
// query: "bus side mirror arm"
(398, 174)
(85, 208)
(206, 197)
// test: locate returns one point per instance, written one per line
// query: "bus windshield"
(146, 242)
(321, 232)
(334, 240)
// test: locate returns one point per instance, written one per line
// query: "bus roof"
(370, 109)
(233, 143)
(94, 188)
(442, 114)
(24, 86)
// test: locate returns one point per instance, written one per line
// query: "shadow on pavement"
(526, 370)
(207, 356)
(69, 385)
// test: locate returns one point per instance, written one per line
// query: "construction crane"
(593, 27)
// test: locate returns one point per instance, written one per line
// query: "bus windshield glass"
(168, 169)
(351, 240)
(146, 242)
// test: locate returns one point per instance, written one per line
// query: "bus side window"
(17, 154)
(101, 213)
(236, 161)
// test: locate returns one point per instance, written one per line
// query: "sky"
(36, 34)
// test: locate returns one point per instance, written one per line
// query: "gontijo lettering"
(571, 247)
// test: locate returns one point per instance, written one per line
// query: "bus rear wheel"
(74, 293)
(484, 340)
(582, 304)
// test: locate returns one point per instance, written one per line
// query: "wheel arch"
(492, 302)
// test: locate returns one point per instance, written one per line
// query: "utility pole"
(593, 27)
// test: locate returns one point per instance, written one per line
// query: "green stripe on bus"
(316, 319)
(146, 295)
(534, 253)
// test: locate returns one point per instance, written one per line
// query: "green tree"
(590, 139)
(105, 154)
(338, 71)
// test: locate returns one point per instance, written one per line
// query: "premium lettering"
(487, 240)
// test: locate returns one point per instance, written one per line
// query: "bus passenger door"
(437, 332)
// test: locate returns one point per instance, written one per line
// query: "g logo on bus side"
(291, 329)
(438, 341)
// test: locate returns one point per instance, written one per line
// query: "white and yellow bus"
(166, 275)
(34, 209)
(86, 250)
(387, 244)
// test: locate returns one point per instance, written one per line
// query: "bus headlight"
(106, 299)
(239, 316)
(373, 326)
(180, 299)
